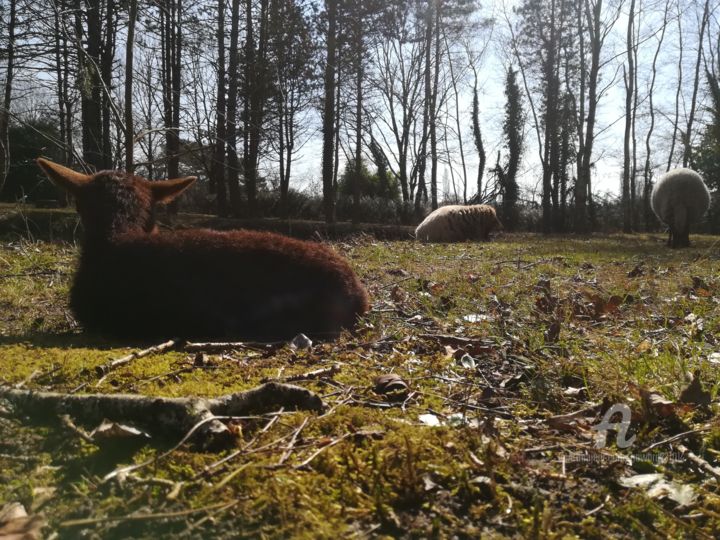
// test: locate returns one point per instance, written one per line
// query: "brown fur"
(199, 283)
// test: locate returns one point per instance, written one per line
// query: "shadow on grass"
(626, 246)
(73, 340)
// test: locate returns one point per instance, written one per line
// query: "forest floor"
(505, 357)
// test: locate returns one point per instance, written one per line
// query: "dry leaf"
(15, 524)
(637, 271)
(694, 393)
(467, 361)
(657, 404)
(391, 385)
(112, 430)
(430, 420)
(553, 332)
(657, 487)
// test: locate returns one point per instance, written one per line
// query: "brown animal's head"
(111, 202)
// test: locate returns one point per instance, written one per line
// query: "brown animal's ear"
(65, 178)
(165, 191)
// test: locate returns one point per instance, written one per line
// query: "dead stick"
(217, 347)
(105, 369)
(169, 416)
(144, 517)
(674, 438)
(700, 462)
(291, 445)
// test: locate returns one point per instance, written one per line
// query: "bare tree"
(129, 128)
(629, 75)
(233, 163)
(687, 136)
(218, 164)
(7, 95)
(647, 172)
(329, 129)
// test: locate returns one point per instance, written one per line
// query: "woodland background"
(369, 111)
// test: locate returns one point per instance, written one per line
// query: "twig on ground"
(320, 450)
(310, 375)
(291, 445)
(27, 379)
(104, 370)
(699, 462)
(145, 517)
(218, 347)
(674, 438)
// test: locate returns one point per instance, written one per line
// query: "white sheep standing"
(455, 223)
(680, 198)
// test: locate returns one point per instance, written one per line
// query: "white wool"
(455, 223)
(680, 195)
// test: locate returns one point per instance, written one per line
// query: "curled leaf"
(391, 385)
(112, 430)
(467, 361)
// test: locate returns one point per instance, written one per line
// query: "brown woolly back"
(134, 282)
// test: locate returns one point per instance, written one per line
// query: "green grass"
(496, 467)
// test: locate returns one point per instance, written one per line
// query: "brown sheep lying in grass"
(135, 282)
(457, 223)
(679, 199)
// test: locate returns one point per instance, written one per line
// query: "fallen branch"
(104, 370)
(219, 347)
(699, 462)
(167, 416)
(311, 375)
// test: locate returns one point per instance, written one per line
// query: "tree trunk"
(256, 91)
(89, 83)
(231, 129)
(7, 97)
(678, 92)
(129, 128)
(422, 158)
(687, 140)
(329, 114)
(106, 64)
(477, 134)
(61, 84)
(218, 167)
(434, 112)
(174, 162)
(629, 92)
(647, 173)
(358, 120)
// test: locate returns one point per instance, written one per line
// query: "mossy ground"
(550, 325)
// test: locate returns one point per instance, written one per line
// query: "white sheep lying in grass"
(680, 198)
(457, 223)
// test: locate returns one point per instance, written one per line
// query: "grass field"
(506, 355)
